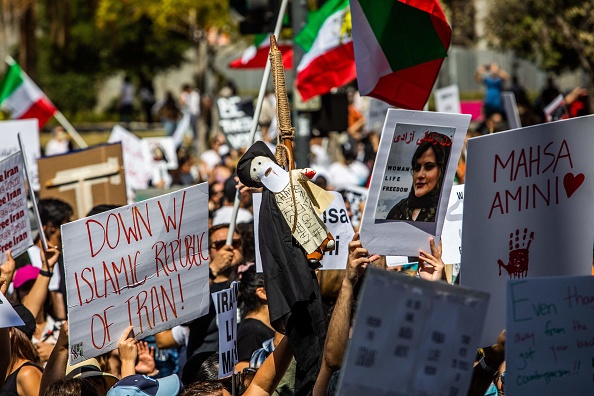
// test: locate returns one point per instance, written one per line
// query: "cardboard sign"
(511, 110)
(15, 227)
(528, 194)
(447, 99)
(550, 336)
(136, 170)
(143, 265)
(355, 195)
(409, 138)
(556, 110)
(452, 227)
(376, 115)
(9, 144)
(8, 316)
(236, 120)
(337, 220)
(428, 331)
(85, 178)
(225, 303)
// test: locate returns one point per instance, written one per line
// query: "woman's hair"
(441, 155)
(206, 388)
(21, 348)
(248, 299)
(72, 387)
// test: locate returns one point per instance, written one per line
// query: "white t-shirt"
(181, 335)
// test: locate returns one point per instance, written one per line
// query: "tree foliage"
(557, 34)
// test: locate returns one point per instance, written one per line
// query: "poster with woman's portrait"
(411, 181)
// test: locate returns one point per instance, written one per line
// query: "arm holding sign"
(36, 297)
(128, 352)
(55, 369)
(272, 370)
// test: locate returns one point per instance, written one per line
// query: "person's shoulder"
(29, 372)
(398, 211)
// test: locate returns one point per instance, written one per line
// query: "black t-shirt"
(250, 336)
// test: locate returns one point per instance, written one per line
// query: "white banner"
(422, 342)
(337, 220)
(136, 170)
(225, 303)
(15, 227)
(29, 130)
(550, 336)
(452, 227)
(528, 209)
(143, 265)
(398, 193)
(447, 99)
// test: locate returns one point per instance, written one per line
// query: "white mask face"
(273, 177)
(255, 166)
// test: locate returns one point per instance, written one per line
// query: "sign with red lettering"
(29, 130)
(411, 181)
(15, 228)
(528, 209)
(143, 265)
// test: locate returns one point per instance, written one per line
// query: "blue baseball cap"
(141, 385)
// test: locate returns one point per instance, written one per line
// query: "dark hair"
(216, 228)
(21, 348)
(205, 388)
(101, 208)
(54, 212)
(248, 242)
(442, 154)
(201, 367)
(72, 387)
(250, 282)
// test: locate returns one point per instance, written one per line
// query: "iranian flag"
(329, 60)
(22, 98)
(255, 56)
(399, 48)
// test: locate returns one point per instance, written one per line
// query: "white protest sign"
(550, 336)
(337, 220)
(355, 195)
(511, 110)
(143, 265)
(556, 110)
(452, 227)
(15, 228)
(136, 170)
(397, 193)
(447, 99)
(9, 144)
(8, 316)
(225, 303)
(235, 119)
(528, 201)
(159, 152)
(429, 331)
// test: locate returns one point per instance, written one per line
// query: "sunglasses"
(217, 245)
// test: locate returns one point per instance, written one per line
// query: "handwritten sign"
(447, 99)
(556, 110)
(9, 144)
(395, 197)
(236, 120)
(511, 110)
(527, 194)
(143, 265)
(225, 303)
(337, 220)
(550, 336)
(452, 227)
(8, 316)
(429, 331)
(15, 228)
(135, 168)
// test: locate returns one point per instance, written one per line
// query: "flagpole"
(70, 129)
(254, 127)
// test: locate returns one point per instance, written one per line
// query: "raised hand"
(146, 358)
(431, 266)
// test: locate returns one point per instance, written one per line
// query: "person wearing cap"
(141, 385)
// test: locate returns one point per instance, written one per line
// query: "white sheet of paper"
(29, 130)
(556, 110)
(225, 303)
(8, 316)
(550, 336)
(136, 170)
(273, 177)
(391, 181)
(511, 110)
(447, 99)
(144, 265)
(428, 331)
(339, 225)
(527, 195)
(452, 227)
(15, 226)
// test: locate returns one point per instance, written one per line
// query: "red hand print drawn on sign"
(519, 246)
(571, 183)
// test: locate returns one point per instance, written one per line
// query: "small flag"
(399, 48)
(22, 98)
(329, 60)
(256, 55)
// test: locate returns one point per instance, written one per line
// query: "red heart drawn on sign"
(572, 183)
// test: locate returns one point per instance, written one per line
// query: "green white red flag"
(256, 55)
(399, 48)
(22, 98)
(329, 59)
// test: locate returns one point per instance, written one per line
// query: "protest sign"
(452, 227)
(376, 115)
(159, 152)
(527, 195)
(143, 265)
(15, 227)
(225, 303)
(550, 336)
(511, 110)
(8, 316)
(447, 99)
(556, 110)
(85, 178)
(29, 130)
(429, 332)
(355, 195)
(426, 141)
(339, 225)
(135, 167)
(236, 116)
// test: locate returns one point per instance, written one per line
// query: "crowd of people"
(184, 360)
